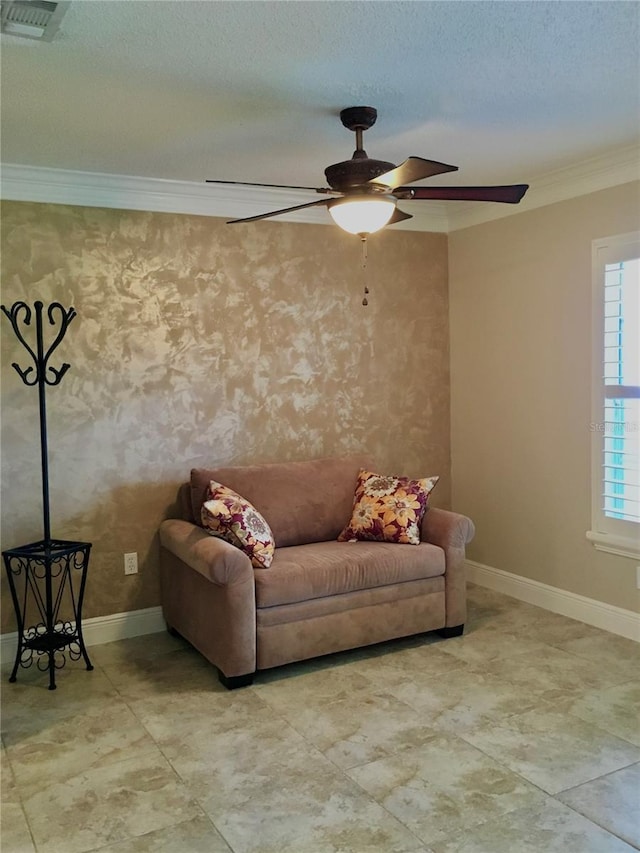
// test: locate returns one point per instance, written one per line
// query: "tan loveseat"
(319, 596)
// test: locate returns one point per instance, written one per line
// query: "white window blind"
(616, 396)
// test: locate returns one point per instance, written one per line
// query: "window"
(615, 426)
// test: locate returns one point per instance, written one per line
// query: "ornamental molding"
(96, 189)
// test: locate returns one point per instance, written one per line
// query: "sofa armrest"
(208, 595)
(218, 561)
(451, 532)
(446, 529)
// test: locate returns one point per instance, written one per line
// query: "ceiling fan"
(367, 190)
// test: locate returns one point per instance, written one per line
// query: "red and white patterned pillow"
(388, 509)
(231, 517)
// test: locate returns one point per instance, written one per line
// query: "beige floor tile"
(359, 728)
(69, 746)
(556, 674)
(445, 728)
(429, 660)
(463, 697)
(240, 764)
(137, 648)
(491, 643)
(607, 650)
(523, 619)
(266, 789)
(195, 713)
(28, 705)
(14, 832)
(339, 822)
(442, 784)
(314, 683)
(527, 619)
(9, 791)
(197, 835)
(492, 610)
(108, 804)
(31, 674)
(612, 802)
(240, 758)
(546, 828)
(162, 675)
(615, 709)
(495, 602)
(310, 682)
(553, 750)
(347, 659)
(560, 629)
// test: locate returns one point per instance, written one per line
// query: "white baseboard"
(101, 629)
(626, 623)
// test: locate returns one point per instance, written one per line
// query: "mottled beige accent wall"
(198, 343)
(520, 296)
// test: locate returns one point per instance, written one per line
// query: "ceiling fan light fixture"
(370, 188)
(362, 214)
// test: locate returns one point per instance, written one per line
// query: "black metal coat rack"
(47, 578)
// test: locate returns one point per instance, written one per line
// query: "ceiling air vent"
(32, 19)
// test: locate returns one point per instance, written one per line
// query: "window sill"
(621, 546)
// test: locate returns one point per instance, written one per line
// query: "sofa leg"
(231, 682)
(451, 631)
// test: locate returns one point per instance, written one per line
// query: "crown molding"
(96, 189)
(618, 166)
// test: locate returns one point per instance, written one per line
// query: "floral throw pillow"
(228, 515)
(388, 509)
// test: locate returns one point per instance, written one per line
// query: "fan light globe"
(362, 214)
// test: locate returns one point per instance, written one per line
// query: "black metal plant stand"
(47, 578)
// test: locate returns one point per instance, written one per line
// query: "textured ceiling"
(250, 91)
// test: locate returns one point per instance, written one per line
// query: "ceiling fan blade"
(413, 169)
(399, 216)
(273, 186)
(324, 201)
(509, 194)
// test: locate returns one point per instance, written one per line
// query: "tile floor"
(522, 736)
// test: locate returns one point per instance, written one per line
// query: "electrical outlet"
(637, 577)
(131, 563)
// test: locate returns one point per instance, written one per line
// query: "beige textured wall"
(520, 307)
(198, 343)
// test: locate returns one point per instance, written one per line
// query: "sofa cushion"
(304, 572)
(315, 608)
(231, 517)
(388, 508)
(301, 501)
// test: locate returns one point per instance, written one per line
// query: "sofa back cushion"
(302, 501)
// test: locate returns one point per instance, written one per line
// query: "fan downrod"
(357, 172)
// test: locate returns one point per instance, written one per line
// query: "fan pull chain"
(363, 237)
